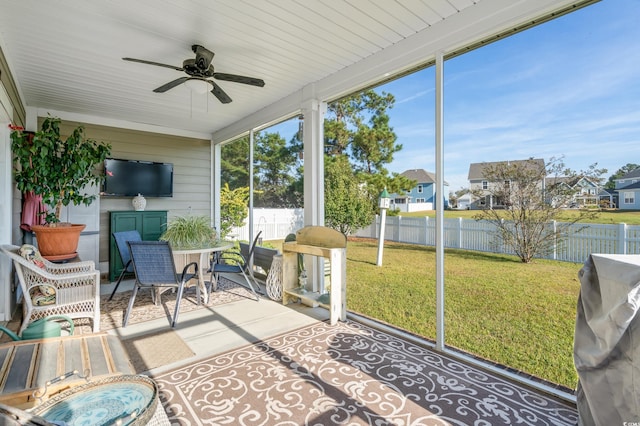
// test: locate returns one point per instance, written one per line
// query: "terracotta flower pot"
(58, 242)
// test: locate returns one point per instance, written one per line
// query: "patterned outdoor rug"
(112, 312)
(347, 374)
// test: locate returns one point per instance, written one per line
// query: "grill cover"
(607, 340)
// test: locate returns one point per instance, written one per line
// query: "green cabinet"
(150, 224)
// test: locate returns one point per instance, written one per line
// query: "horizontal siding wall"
(191, 160)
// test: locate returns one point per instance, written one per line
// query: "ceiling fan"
(200, 70)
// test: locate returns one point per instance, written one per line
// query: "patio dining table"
(202, 256)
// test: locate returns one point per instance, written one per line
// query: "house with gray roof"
(585, 192)
(608, 197)
(422, 196)
(628, 189)
(482, 185)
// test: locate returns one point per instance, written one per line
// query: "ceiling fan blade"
(142, 61)
(171, 84)
(239, 79)
(219, 93)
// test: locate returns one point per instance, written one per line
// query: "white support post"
(439, 204)
(251, 141)
(216, 169)
(313, 140)
(383, 217)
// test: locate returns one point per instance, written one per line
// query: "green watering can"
(42, 328)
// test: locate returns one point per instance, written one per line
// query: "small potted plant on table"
(190, 232)
(57, 170)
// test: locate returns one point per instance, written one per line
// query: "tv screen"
(128, 178)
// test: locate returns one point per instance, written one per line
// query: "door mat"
(156, 350)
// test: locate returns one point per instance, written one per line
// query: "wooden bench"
(262, 259)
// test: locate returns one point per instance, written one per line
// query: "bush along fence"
(469, 234)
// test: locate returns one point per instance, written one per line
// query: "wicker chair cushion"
(32, 254)
(43, 294)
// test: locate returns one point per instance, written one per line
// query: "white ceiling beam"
(123, 124)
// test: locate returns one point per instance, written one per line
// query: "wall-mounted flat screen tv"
(128, 178)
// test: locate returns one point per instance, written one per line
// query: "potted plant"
(190, 232)
(56, 170)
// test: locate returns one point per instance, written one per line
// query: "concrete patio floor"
(217, 329)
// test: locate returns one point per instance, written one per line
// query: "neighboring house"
(608, 197)
(628, 189)
(420, 197)
(480, 184)
(584, 191)
(464, 201)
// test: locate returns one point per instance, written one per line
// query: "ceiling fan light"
(197, 85)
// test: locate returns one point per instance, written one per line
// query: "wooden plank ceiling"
(66, 56)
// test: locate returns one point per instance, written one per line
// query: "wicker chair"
(76, 286)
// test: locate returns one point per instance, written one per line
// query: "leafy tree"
(347, 203)
(526, 223)
(374, 144)
(296, 188)
(629, 167)
(275, 177)
(233, 208)
(358, 134)
(346, 116)
(359, 143)
(358, 126)
(235, 163)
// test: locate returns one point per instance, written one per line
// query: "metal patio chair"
(154, 268)
(123, 249)
(233, 262)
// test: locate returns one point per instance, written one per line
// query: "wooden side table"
(338, 277)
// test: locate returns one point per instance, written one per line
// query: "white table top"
(220, 246)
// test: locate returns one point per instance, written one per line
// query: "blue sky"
(568, 88)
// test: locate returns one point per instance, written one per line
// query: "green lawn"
(519, 315)
(607, 216)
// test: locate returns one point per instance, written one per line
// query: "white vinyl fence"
(275, 224)
(466, 234)
(469, 234)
